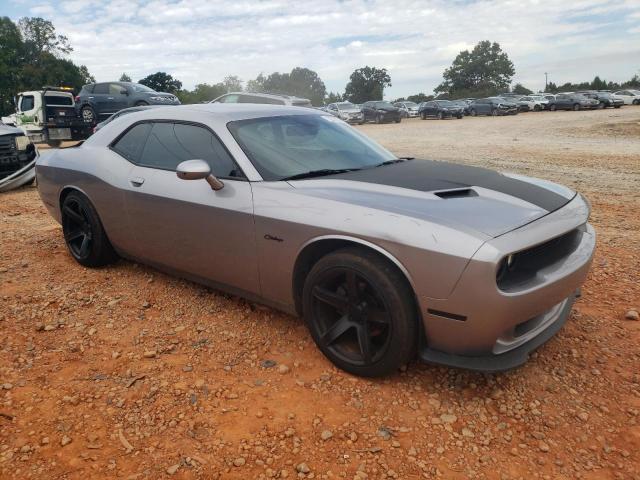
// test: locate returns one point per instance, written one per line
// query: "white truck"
(48, 116)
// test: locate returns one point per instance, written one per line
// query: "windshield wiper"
(395, 160)
(319, 173)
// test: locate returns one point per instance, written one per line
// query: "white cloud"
(204, 40)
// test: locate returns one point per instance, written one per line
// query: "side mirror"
(198, 170)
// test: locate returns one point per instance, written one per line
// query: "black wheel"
(473, 113)
(552, 107)
(141, 103)
(88, 114)
(360, 312)
(440, 116)
(536, 108)
(576, 107)
(379, 118)
(494, 112)
(423, 116)
(601, 106)
(459, 116)
(398, 120)
(83, 233)
(636, 102)
(617, 106)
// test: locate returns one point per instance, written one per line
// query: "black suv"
(97, 101)
(493, 106)
(379, 112)
(440, 109)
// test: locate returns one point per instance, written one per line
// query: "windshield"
(384, 104)
(280, 147)
(141, 88)
(410, 104)
(346, 106)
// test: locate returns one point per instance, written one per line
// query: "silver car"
(383, 257)
(346, 111)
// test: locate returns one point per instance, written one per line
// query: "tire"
(88, 115)
(636, 102)
(423, 116)
(141, 103)
(459, 117)
(378, 118)
(552, 108)
(600, 106)
(343, 294)
(494, 112)
(440, 116)
(399, 120)
(473, 113)
(576, 107)
(83, 232)
(617, 106)
(536, 108)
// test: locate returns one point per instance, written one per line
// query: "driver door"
(184, 225)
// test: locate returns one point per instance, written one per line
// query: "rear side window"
(88, 88)
(26, 103)
(169, 144)
(130, 145)
(101, 88)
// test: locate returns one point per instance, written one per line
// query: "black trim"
(451, 316)
(183, 122)
(434, 176)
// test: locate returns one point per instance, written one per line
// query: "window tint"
(58, 100)
(115, 89)
(131, 144)
(169, 144)
(26, 103)
(101, 88)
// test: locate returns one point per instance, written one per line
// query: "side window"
(131, 143)
(169, 144)
(101, 88)
(115, 89)
(27, 102)
(229, 99)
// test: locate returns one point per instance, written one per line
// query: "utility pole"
(546, 81)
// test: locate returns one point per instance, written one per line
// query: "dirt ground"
(125, 372)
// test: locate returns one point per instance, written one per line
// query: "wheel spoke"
(84, 247)
(75, 216)
(336, 330)
(364, 341)
(334, 299)
(70, 237)
(352, 287)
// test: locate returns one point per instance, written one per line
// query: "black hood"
(434, 176)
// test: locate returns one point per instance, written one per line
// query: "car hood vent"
(457, 193)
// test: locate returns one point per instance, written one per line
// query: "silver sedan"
(385, 258)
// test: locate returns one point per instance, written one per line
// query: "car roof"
(277, 96)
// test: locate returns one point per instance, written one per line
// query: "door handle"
(136, 181)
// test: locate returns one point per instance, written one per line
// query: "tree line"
(32, 55)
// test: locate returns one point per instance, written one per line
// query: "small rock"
(267, 363)
(240, 461)
(48, 328)
(326, 435)
(282, 368)
(7, 386)
(448, 418)
(44, 441)
(65, 441)
(149, 354)
(632, 315)
(413, 452)
(302, 468)
(173, 469)
(543, 447)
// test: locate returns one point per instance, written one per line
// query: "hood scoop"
(456, 193)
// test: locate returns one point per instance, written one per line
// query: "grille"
(10, 159)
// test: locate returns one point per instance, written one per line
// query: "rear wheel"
(360, 312)
(576, 107)
(552, 107)
(473, 113)
(83, 233)
(88, 115)
(494, 112)
(440, 116)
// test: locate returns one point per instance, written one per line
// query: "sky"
(202, 41)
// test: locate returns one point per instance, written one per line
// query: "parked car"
(407, 109)
(346, 111)
(263, 98)
(17, 158)
(122, 112)
(531, 103)
(630, 97)
(541, 100)
(48, 116)
(522, 106)
(289, 207)
(572, 101)
(440, 109)
(97, 101)
(492, 106)
(464, 104)
(379, 111)
(605, 99)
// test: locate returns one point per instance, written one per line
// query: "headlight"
(156, 98)
(22, 142)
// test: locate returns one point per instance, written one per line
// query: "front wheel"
(398, 120)
(360, 312)
(552, 108)
(473, 113)
(601, 106)
(636, 102)
(83, 233)
(440, 116)
(423, 116)
(576, 107)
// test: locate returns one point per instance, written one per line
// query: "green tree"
(486, 70)
(366, 84)
(333, 98)
(301, 82)
(125, 78)
(162, 82)
(598, 84)
(256, 85)
(11, 61)
(202, 93)
(39, 35)
(419, 98)
(521, 89)
(232, 83)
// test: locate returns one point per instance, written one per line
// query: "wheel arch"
(318, 247)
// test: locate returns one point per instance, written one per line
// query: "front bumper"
(481, 326)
